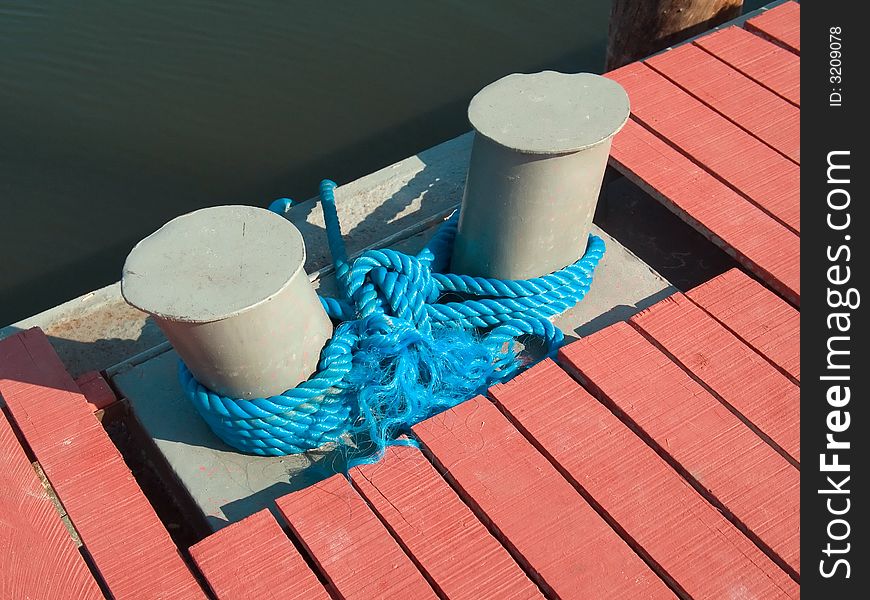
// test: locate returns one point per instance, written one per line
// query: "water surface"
(116, 116)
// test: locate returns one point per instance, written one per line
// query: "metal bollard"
(228, 288)
(540, 150)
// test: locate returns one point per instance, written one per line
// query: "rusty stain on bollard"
(228, 288)
(540, 150)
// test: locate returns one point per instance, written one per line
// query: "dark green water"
(116, 116)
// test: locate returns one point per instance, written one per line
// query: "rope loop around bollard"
(400, 353)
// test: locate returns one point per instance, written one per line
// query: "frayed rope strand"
(401, 377)
(398, 355)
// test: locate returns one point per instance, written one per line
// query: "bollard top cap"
(549, 112)
(213, 264)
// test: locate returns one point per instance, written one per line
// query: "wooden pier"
(714, 135)
(658, 457)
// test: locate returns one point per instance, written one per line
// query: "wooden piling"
(639, 28)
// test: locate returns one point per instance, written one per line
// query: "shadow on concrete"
(436, 186)
(96, 355)
(621, 312)
(426, 184)
(323, 466)
(657, 236)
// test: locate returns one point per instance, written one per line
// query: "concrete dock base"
(227, 486)
(400, 207)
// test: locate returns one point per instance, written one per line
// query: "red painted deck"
(755, 315)
(31, 533)
(456, 551)
(254, 559)
(132, 552)
(782, 26)
(656, 458)
(714, 135)
(688, 541)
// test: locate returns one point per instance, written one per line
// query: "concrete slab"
(93, 331)
(623, 286)
(99, 330)
(228, 486)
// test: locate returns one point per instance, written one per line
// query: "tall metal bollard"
(228, 288)
(540, 150)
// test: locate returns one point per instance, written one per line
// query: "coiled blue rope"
(398, 355)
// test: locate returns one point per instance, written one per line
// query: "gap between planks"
(765, 63)
(756, 315)
(781, 24)
(640, 495)
(731, 222)
(732, 372)
(737, 159)
(745, 103)
(677, 417)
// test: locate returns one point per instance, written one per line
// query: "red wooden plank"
(255, 559)
(549, 528)
(96, 390)
(442, 534)
(744, 102)
(731, 369)
(38, 558)
(757, 241)
(711, 447)
(756, 315)
(688, 539)
(781, 24)
(350, 546)
(129, 546)
(760, 173)
(773, 67)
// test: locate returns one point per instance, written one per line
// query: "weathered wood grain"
(752, 237)
(545, 523)
(781, 24)
(774, 121)
(689, 541)
(38, 558)
(350, 546)
(734, 372)
(254, 559)
(773, 67)
(128, 544)
(756, 315)
(447, 541)
(722, 457)
(764, 176)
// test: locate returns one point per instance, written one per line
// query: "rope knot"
(401, 351)
(391, 283)
(383, 331)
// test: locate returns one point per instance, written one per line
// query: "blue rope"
(398, 355)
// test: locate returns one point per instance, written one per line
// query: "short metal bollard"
(228, 288)
(540, 151)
